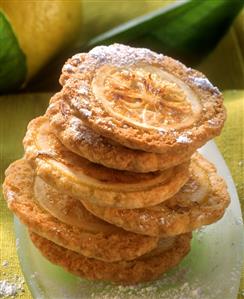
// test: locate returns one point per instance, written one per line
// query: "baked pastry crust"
(68, 209)
(110, 244)
(126, 272)
(83, 141)
(201, 201)
(143, 100)
(80, 178)
(71, 211)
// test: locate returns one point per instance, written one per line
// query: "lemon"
(41, 28)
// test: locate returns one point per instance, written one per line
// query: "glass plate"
(211, 271)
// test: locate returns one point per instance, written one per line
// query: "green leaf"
(95, 23)
(13, 68)
(187, 30)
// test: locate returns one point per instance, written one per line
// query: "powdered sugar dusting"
(11, 287)
(10, 196)
(81, 133)
(143, 290)
(68, 68)
(213, 122)
(85, 112)
(163, 289)
(204, 83)
(83, 90)
(183, 139)
(116, 54)
(121, 55)
(78, 103)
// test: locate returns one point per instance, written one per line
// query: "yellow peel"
(43, 27)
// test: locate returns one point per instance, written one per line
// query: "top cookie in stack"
(151, 111)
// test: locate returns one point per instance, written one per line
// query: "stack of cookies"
(111, 186)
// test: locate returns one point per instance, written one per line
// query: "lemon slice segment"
(147, 97)
(68, 209)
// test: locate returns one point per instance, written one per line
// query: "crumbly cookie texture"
(201, 201)
(83, 141)
(114, 245)
(126, 272)
(143, 100)
(80, 178)
(68, 209)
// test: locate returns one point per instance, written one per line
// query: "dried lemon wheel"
(142, 100)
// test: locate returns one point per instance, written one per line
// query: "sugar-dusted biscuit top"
(143, 100)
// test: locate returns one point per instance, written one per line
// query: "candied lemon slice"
(68, 209)
(146, 96)
(197, 189)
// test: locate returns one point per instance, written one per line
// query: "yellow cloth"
(15, 112)
(231, 145)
